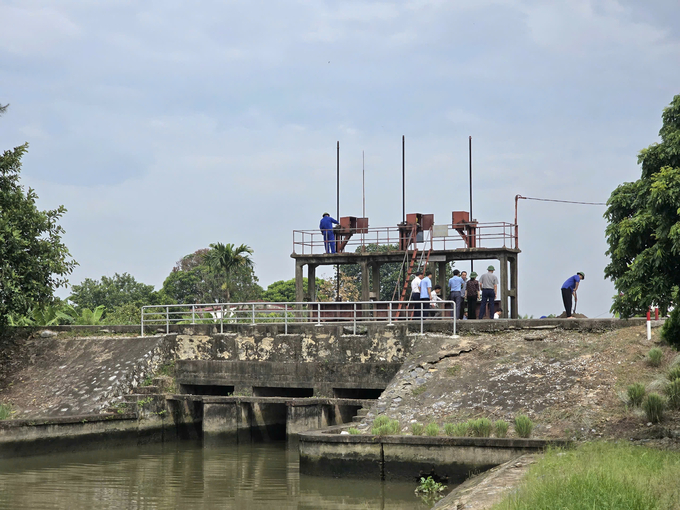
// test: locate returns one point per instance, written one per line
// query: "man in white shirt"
(436, 310)
(415, 293)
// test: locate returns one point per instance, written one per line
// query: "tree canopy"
(112, 292)
(33, 259)
(643, 230)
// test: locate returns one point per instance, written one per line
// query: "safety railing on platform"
(322, 312)
(487, 235)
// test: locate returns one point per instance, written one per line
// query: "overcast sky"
(164, 126)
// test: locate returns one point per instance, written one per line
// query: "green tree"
(283, 291)
(33, 260)
(226, 259)
(643, 228)
(112, 292)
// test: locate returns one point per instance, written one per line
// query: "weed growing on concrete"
(453, 371)
(391, 428)
(432, 429)
(457, 429)
(636, 394)
(674, 373)
(523, 425)
(500, 428)
(5, 411)
(419, 390)
(381, 420)
(354, 431)
(417, 429)
(481, 427)
(672, 391)
(655, 356)
(654, 406)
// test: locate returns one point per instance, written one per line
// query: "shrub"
(501, 428)
(432, 429)
(674, 373)
(654, 406)
(354, 431)
(381, 420)
(429, 486)
(655, 356)
(523, 425)
(672, 391)
(481, 427)
(5, 411)
(456, 429)
(636, 394)
(671, 328)
(417, 429)
(391, 428)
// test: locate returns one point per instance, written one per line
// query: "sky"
(164, 126)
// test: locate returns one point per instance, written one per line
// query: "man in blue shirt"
(456, 284)
(426, 293)
(326, 226)
(569, 288)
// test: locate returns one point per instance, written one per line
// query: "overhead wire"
(561, 201)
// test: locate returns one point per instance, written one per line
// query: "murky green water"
(189, 476)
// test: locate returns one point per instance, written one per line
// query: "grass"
(636, 394)
(432, 429)
(417, 429)
(481, 427)
(674, 373)
(655, 356)
(453, 371)
(5, 411)
(457, 429)
(419, 390)
(523, 425)
(501, 428)
(653, 406)
(384, 426)
(600, 476)
(354, 431)
(672, 391)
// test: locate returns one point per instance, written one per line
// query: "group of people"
(462, 291)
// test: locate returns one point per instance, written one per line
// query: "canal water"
(188, 475)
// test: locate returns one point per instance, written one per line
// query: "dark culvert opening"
(269, 391)
(207, 389)
(360, 393)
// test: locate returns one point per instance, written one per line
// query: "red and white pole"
(649, 324)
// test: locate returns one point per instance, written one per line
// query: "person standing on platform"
(326, 226)
(456, 290)
(472, 295)
(435, 309)
(463, 275)
(426, 293)
(415, 293)
(489, 283)
(569, 288)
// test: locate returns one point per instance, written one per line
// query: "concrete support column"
(311, 282)
(504, 286)
(514, 310)
(299, 282)
(441, 279)
(375, 280)
(365, 283)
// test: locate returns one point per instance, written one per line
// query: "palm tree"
(225, 258)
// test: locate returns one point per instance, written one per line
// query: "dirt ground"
(571, 384)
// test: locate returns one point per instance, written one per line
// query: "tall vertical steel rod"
(472, 262)
(403, 178)
(363, 184)
(337, 216)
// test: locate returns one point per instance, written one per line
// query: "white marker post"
(649, 324)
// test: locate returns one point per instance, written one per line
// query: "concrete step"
(147, 390)
(363, 412)
(357, 419)
(163, 382)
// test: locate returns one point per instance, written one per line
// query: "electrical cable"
(561, 201)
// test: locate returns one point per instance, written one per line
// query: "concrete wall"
(406, 457)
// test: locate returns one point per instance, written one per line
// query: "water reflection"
(188, 475)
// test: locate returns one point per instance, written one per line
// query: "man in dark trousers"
(489, 283)
(569, 288)
(326, 226)
(426, 294)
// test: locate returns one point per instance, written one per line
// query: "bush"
(671, 328)
(674, 373)
(417, 429)
(501, 428)
(481, 427)
(456, 429)
(654, 406)
(429, 486)
(672, 391)
(655, 356)
(523, 425)
(391, 428)
(432, 429)
(381, 420)
(354, 431)
(636, 394)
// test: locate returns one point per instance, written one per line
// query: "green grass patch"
(600, 476)
(457, 429)
(453, 371)
(636, 394)
(354, 431)
(654, 406)
(432, 429)
(655, 356)
(417, 429)
(5, 411)
(500, 428)
(523, 425)
(481, 427)
(419, 390)
(674, 373)
(384, 426)
(672, 391)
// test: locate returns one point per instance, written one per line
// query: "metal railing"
(487, 235)
(319, 313)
